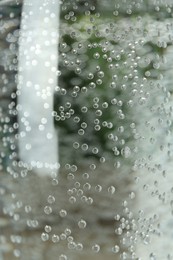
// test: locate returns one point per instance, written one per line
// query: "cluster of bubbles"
(112, 110)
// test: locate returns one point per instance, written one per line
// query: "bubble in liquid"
(28, 208)
(72, 200)
(84, 147)
(79, 246)
(115, 249)
(48, 228)
(118, 231)
(152, 256)
(73, 168)
(54, 182)
(70, 176)
(89, 200)
(82, 224)
(55, 238)
(67, 231)
(96, 248)
(132, 195)
(126, 152)
(51, 199)
(77, 184)
(76, 145)
(98, 188)
(87, 186)
(142, 101)
(147, 240)
(17, 253)
(63, 213)
(44, 237)
(96, 55)
(79, 192)
(100, 74)
(63, 236)
(71, 245)
(111, 190)
(47, 210)
(63, 257)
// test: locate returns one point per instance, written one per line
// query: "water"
(86, 129)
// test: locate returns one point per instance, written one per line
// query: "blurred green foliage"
(95, 101)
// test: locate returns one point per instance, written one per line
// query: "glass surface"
(86, 141)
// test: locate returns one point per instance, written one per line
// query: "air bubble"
(47, 210)
(126, 152)
(63, 257)
(111, 190)
(17, 253)
(48, 228)
(132, 195)
(96, 248)
(152, 256)
(44, 237)
(63, 236)
(63, 213)
(115, 249)
(68, 231)
(72, 200)
(98, 188)
(51, 199)
(87, 186)
(96, 55)
(71, 245)
(76, 145)
(82, 224)
(54, 182)
(79, 246)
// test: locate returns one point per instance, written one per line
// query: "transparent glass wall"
(86, 143)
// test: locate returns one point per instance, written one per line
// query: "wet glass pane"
(86, 129)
